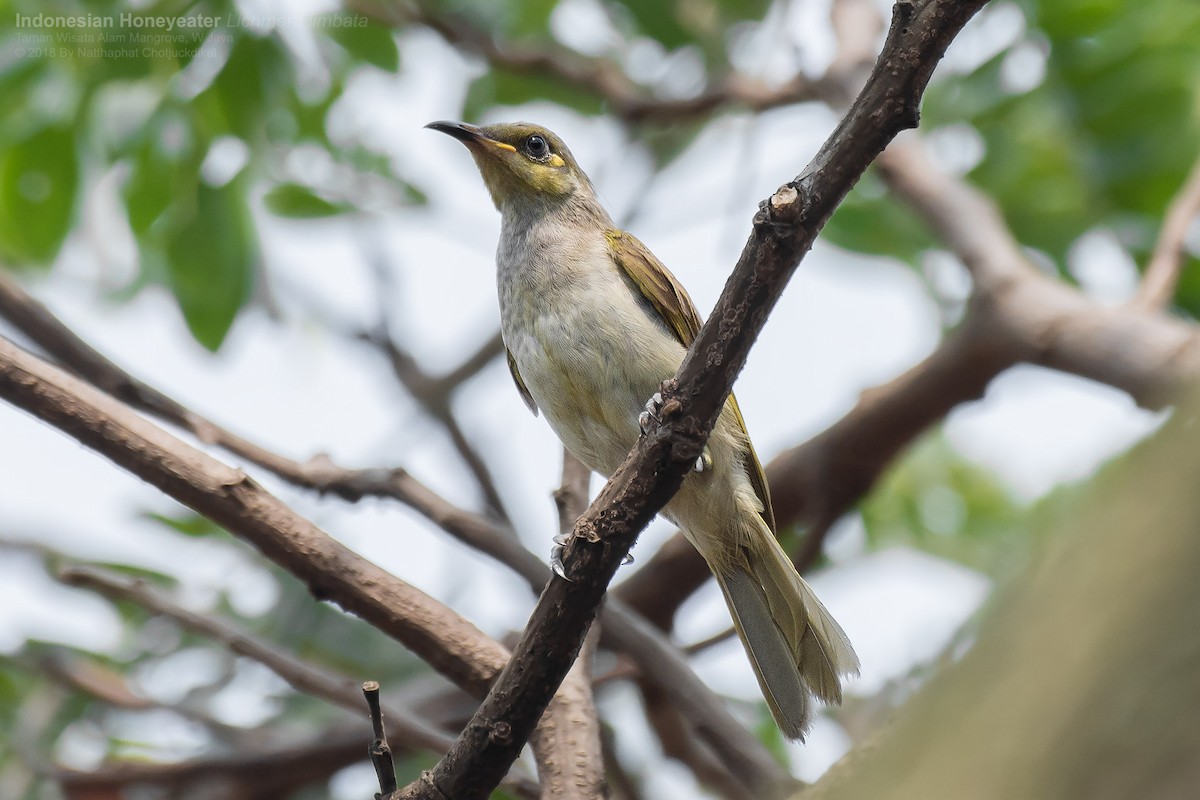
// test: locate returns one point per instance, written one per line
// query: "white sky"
(846, 323)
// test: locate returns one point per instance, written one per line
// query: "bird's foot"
(652, 412)
(561, 541)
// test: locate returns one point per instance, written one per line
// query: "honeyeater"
(593, 324)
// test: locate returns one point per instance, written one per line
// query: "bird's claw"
(653, 409)
(703, 461)
(556, 553)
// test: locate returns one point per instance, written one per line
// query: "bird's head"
(525, 166)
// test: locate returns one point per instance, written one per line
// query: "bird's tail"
(796, 647)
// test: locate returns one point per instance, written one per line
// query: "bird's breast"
(586, 347)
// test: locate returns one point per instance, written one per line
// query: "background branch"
(601, 77)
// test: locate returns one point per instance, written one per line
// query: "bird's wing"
(521, 387)
(671, 301)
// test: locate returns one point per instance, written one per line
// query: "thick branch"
(783, 232)
(229, 497)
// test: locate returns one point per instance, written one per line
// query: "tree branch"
(570, 728)
(783, 231)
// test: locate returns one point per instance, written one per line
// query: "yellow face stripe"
(555, 160)
(501, 145)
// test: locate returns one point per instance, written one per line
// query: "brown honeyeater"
(593, 324)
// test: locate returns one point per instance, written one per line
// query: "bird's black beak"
(470, 135)
(459, 130)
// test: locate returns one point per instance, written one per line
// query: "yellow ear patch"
(555, 160)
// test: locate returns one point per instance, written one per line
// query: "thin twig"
(571, 498)
(381, 753)
(1162, 271)
(432, 392)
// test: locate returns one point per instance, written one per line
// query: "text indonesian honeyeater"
(593, 323)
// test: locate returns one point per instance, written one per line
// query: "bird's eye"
(536, 146)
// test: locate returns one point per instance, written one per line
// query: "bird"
(592, 324)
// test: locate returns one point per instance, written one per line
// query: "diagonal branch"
(783, 231)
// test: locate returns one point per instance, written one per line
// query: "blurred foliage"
(935, 500)
(1104, 139)
(171, 113)
(1088, 119)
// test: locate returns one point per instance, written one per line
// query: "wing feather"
(671, 301)
(521, 387)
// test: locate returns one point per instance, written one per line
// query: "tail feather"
(795, 645)
(770, 653)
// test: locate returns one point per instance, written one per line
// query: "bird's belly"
(591, 375)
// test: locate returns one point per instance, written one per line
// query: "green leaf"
(188, 524)
(210, 261)
(368, 42)
(154, 181)
(39, 176)
(300, 202)
(935, 500)
(1107, 137)
(256, 78)
(413, 195)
